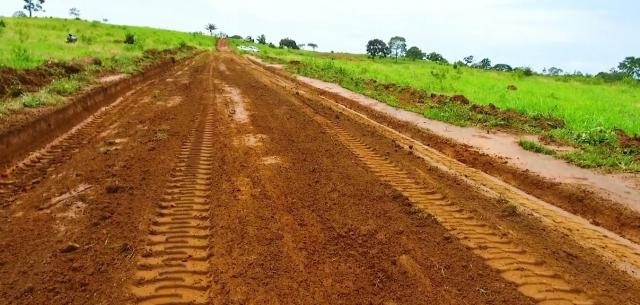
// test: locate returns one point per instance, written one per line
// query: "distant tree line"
(629, 68)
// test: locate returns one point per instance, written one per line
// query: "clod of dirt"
(70, 247)
(627, 141)
(415, 271)
(512, 88)
(125, 248)
(114, 189)
(460, 99)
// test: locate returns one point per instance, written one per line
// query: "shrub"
(2, 24)
(289, 44)
(129, 38)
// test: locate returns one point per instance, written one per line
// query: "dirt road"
(221, 182)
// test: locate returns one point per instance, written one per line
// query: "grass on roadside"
(535, 147)
(30, 42)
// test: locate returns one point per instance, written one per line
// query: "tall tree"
(312, 45)
(630, 66)
(377, 47)
(262, 39)
(398, 46)
(485, 64)
(414, 53)
(33, 6)
(555, 71)
(74, 12)
(468, 60)
(211, 27)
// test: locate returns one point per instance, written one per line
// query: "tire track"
(174, 268)
(614, 249)
(533, 277)
(27, 173)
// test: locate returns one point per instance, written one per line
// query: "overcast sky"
(586, 35)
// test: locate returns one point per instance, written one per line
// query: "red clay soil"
(295, 217)
(575, 199)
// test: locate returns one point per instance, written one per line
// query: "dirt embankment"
(412, 97)
(16, 82)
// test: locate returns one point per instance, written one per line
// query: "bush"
(2, 24)
(289, 44)
(129, 38)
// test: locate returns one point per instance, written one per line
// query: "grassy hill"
(28, 42)
(583, 112)
(38, 67)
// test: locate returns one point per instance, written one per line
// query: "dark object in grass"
(512, 88)
(72, 38)
(2, 24)
(129, 39)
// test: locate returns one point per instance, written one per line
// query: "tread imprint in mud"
(532, 276)
(27, 173)
(174, 269)
(618, 251)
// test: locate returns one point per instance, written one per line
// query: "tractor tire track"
(614, 249)
(29, 172)
(534, 277)
(174, 268)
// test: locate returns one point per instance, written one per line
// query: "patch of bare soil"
(600, 207)
(580, 266)
(78, 222)
(626, 141)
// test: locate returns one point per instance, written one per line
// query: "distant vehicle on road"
(248, 48)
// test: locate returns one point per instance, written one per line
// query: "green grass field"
(590, 108)
(28, 42)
